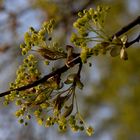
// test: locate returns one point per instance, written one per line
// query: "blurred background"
(110, 100)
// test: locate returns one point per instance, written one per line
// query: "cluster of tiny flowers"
(90, 29)
(26, 74)
(41, 41)
(47, 102)
(53, 101)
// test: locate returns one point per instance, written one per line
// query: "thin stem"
(95, 31)
(89, 40)
(61, 92)
(77, 109)
(101, 30)
(81, 118)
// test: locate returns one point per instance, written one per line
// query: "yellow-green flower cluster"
(48, 102)
(89, 28)
(37, 38)
(89, 21)
(48, 105)
(26, 74)
(41, 42)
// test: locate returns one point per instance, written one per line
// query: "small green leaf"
(68, 111)
(60, 100)
(105, 44)
(115, 51)
(79, 84)
(51, 54)
(123, 54)
(124, 39)
(70, 78)
(68, 82)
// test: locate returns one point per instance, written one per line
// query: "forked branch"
(76, 60)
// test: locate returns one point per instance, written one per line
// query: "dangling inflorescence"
(53, 101)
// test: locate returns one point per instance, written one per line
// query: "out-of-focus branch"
(4, 48)
(82, 8)
(17, 15)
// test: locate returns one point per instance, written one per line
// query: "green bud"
(25, 123)
(70, 78)
(79, 84)
(28, 117)
(89, 131)
(18, 102)
(40, 121)
(21, 121)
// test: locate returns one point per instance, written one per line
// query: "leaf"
(115, 51)
(124, 39)
(70, 78)
(79, 84)
(40, 98)
(68, 82)
(123, 54)
(68, 111)
(51, 55)
(60, 100)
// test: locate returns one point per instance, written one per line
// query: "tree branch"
(127, 27)
(75, 61)
(46, 77)
(82, 8)
(137, 39)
